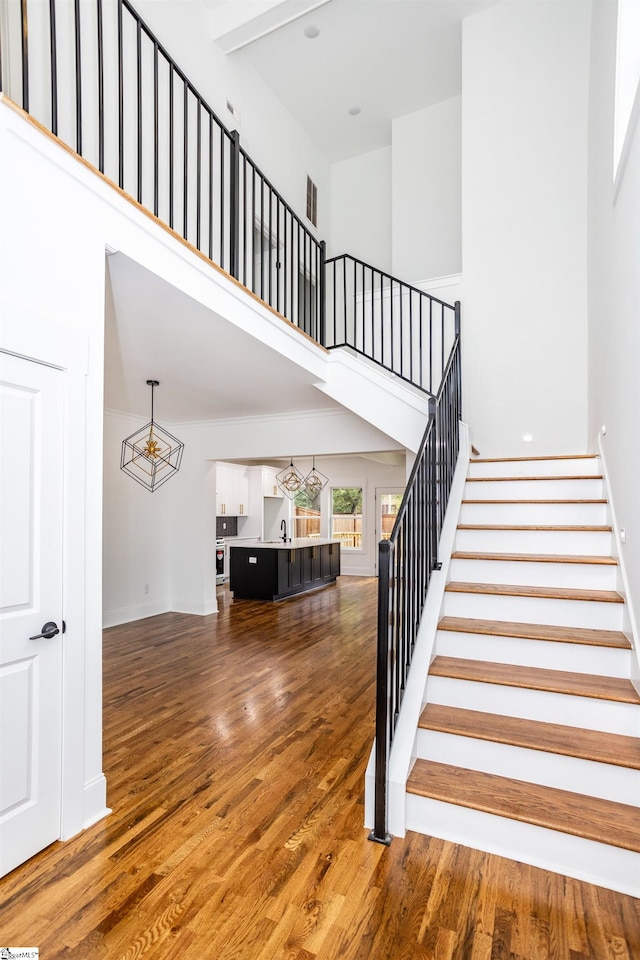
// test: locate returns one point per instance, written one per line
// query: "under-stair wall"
(528, 744)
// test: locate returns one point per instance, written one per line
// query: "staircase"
(528, 743)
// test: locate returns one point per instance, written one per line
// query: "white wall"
(361, 208)
(524, 189)
(137, 538)
(426, 192)
(614, 297)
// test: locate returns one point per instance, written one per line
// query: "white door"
(31, 437)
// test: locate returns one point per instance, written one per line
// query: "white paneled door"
(31, 492)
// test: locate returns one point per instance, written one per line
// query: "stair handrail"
(405, 564)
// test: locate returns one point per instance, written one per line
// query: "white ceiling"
(388, 57)
(208, 369)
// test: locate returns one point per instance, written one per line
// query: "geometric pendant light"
(151, 455)
(290, 480)
(314, 482)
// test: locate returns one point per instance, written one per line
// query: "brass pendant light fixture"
(151, 455)
(314, 482)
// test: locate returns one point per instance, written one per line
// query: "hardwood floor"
(235, 748)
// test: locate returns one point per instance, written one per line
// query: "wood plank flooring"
(235, 749)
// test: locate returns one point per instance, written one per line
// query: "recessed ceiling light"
(311, 32)
(354, 111)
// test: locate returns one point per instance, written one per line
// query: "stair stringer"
(630, 624)
(377, 396)
(403, 751)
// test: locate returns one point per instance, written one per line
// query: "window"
(346, 517)
(306, 516)
(627, 93)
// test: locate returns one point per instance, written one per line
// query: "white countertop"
(297, 543)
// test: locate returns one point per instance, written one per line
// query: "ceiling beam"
(234, 25)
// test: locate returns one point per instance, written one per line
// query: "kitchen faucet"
(283, 526)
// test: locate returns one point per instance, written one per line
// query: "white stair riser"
(565, 613)
(578, 467)
(587, 712)
(582, 576)
(566, 543)
(533, 489)
(588, 777)
(547, 513)
(586, 860)
(547, 654)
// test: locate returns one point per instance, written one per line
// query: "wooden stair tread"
(561, 456)
(603, 821)
(579, 476)
(597, 745)
(615, 689)
(547, 527)
(550, 593)
(536, 631)
(580, 501)
(535, 557)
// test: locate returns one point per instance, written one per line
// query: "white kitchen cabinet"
(270, 486)
(232, 490)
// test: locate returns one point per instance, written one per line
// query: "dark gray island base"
(273, 571)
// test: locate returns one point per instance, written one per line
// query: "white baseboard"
(630, 625)
(199, 608)
(138, 611)
(95, 801)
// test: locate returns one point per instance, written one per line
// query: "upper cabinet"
(270, 486)
(232, 490)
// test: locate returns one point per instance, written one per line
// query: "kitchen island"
(273, 570)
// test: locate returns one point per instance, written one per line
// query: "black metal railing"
(98, 77)
(400, 327)
(405, 564)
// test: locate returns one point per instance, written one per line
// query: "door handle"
(49, 630)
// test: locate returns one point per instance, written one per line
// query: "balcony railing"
(98, 78)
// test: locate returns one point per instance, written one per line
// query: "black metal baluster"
(198, 167)
(120, 101)
(185, 161)
(261, 237)
(430, 345)
(78, 54)
(24, 26)
(222, 199)
(253, 227)
(344, 305)
(156, 197)
(278, 255)
(211, 208)
(411, 335)
(139, 92)
(270, 301)
(234, 203)
(171, 146)
(244, 220)
(420, 341)
(53, 47)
